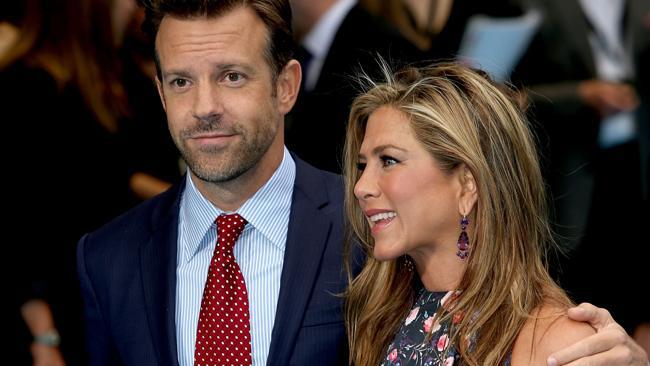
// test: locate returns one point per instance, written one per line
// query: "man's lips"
(212, 138)
(211, 135)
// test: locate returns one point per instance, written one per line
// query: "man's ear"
(161, 94)
(287, 86)
(469, 191)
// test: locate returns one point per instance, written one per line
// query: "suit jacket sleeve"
(548, 85)
(101, 351)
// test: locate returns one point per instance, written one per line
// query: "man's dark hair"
(276, 15)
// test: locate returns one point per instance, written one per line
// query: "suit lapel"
(573, 19)
(637, 28)
(306, 239)
(158, 265)
(341, 45)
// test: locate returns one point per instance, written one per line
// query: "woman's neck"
(439, 271)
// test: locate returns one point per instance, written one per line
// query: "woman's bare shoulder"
(548, 330)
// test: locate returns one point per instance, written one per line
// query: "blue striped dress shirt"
(259, 252)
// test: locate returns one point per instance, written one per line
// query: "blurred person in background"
(588, 78)
(337, 39)
(437, 26)
(153, 155)
(64, 107)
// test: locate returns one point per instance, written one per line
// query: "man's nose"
(208, 105)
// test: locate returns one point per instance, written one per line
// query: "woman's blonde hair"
(460, 117)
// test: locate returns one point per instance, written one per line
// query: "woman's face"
(412, 206)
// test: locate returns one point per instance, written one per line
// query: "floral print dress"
(412, 347)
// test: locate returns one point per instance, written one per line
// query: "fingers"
(619, 97)
(609, 346)
(608, 97)
(604, 345)
(595, 316)
(616, 356)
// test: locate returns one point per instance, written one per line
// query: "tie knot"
(229, 227)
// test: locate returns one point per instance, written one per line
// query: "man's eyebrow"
(232, 65)
(221, 67)
(179, 73)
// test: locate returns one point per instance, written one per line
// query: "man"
(226, 79)
(340, 38)
(225, 93)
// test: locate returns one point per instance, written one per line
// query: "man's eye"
(179, 83)
(233, 77)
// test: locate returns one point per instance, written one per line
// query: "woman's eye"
(387, 160)
(361, 166)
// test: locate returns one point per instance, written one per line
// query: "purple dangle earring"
(463, 240)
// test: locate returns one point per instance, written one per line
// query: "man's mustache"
(207, 124)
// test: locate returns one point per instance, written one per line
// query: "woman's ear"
(469, 192)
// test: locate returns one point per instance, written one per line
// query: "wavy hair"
(460, 117)
(72, 40)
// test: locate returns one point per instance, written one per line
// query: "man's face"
(219, 94)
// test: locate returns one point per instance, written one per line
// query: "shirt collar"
(272, 200)
(321, 36)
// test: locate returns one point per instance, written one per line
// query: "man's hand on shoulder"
(611, 345)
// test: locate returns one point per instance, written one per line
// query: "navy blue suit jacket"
(127, 273)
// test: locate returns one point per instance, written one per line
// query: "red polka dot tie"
(223, 334)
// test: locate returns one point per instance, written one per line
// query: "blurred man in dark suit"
(587, 71)
(338, 38)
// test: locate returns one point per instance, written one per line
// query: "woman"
(63, 107)
(445, 193)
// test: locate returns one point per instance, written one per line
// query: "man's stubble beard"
(235, 159)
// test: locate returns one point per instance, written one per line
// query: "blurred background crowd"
(86, 136)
